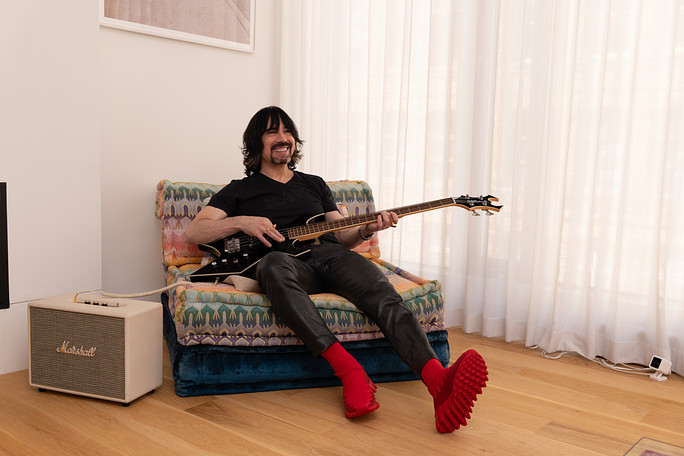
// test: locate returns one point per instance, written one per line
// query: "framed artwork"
(222, 23)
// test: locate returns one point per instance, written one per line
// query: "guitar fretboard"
(318, 228)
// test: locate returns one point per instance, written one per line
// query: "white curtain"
(571, 112)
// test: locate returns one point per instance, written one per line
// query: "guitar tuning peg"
(475, 213)
(489, 213)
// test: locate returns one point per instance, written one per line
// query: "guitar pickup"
(231, 245)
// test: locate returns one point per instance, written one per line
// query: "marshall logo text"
(77, 351)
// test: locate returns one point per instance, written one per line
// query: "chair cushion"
(222, 315)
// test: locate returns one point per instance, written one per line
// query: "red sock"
(454, 390)
(358, 390)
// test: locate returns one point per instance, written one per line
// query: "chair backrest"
(355, 195)
(177, 204)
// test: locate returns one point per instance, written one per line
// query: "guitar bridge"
(231, 245)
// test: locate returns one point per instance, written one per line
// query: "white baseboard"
(14, 338)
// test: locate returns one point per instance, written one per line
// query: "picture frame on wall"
(226, 24)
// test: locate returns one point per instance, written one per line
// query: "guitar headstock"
(478, 203)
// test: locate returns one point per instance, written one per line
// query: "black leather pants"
(288, 281)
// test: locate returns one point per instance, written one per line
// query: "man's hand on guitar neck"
(351, 237)
(384, 221)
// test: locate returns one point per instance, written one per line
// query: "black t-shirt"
(286, 205)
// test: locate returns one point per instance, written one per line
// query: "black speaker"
(103, 348)
(4, 254)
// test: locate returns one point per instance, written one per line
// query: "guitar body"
(239, 255)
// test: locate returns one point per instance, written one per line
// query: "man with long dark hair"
(274, 193)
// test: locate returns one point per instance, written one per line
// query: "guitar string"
(357, 220)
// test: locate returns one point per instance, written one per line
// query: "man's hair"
(252, 145)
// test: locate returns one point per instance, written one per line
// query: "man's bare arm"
(212, 224)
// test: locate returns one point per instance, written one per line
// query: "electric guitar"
(239, 254)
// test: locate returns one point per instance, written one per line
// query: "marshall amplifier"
(98, 347)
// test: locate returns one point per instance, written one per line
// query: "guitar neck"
(317, 229)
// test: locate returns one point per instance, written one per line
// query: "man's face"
(278, 145)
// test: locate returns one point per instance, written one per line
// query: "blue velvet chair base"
(211, 369)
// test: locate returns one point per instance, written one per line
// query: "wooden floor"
(531, 406)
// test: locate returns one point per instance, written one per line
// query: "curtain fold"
(572, 113)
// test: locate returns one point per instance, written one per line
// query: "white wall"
(90, 120)
(49, 146)
(171, 110)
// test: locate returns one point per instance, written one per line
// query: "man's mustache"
(281, 144)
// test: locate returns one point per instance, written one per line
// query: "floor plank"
(531, 406)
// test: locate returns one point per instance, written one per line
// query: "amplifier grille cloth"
(103, 374)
